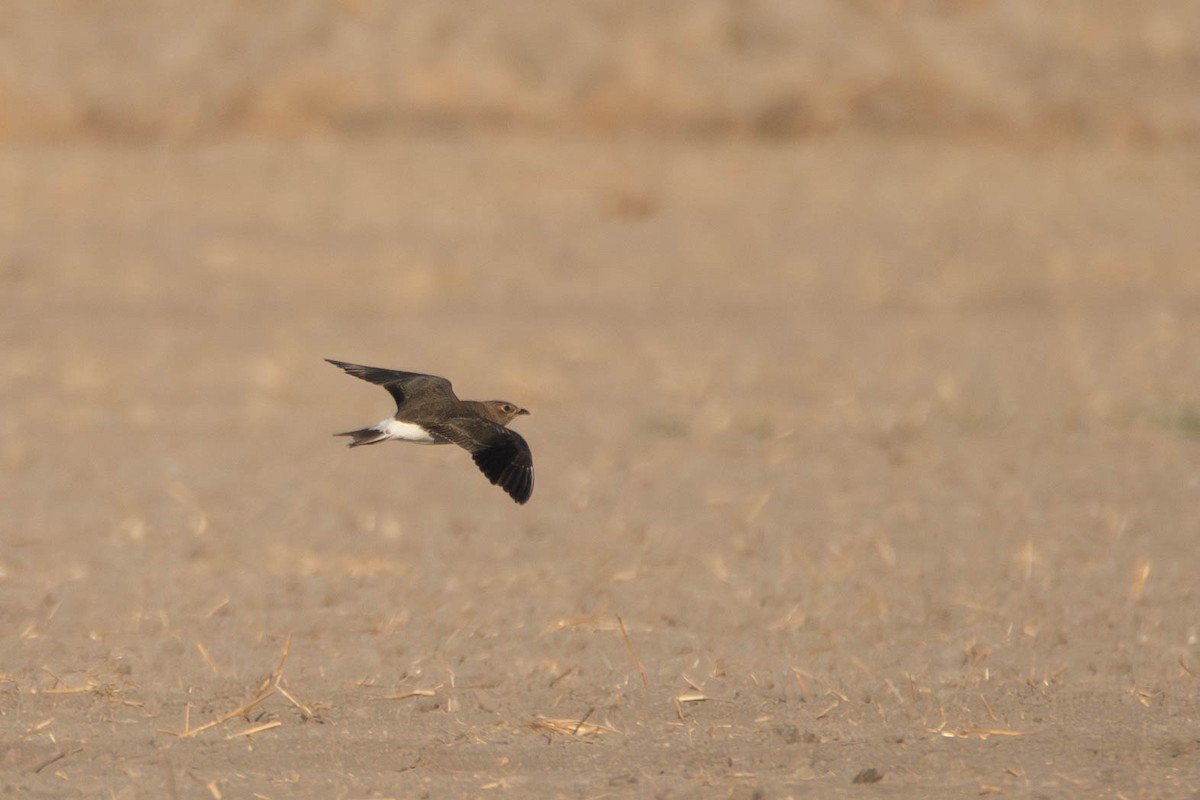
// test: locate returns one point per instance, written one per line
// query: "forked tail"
(365, 436)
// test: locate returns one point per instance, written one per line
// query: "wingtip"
(518, 485)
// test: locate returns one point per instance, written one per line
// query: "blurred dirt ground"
(862, 342)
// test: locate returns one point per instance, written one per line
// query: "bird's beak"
(522, 412)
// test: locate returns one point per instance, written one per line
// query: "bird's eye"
(508, 409)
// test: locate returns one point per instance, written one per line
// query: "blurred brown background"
(1020, 71)
(861, 345)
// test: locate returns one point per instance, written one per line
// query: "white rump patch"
(405, 431)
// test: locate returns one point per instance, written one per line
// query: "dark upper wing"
(501, 454)
(404, 386)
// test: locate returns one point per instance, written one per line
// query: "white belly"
(406, 431)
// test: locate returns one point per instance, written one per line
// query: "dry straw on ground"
(270, 685)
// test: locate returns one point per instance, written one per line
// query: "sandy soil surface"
(868, 459)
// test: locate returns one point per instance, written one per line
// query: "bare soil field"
(867, 445)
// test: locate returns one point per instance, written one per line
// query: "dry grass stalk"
(637, 662)
(825, 711)
(59, 756)
(571, 671)
(569, 727)
(255, 729)
(583, 719)
(187, 733)
(695, 696)
(208, 659)
(304, 709)
(991, 712)
(269, 686)
(863, 666)
(801, 681)
(803, 684)
(1026, 557)
(412, 693)
(1141, 573)
(107, 690)
(982, 733)
(41, 726)
(600, 622)
(55, 689)
(793, 620)
(277, 673)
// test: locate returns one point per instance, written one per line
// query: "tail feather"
(365, 436)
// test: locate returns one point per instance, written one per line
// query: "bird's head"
(502, 411)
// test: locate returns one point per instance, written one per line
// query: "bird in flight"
(428, 412)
